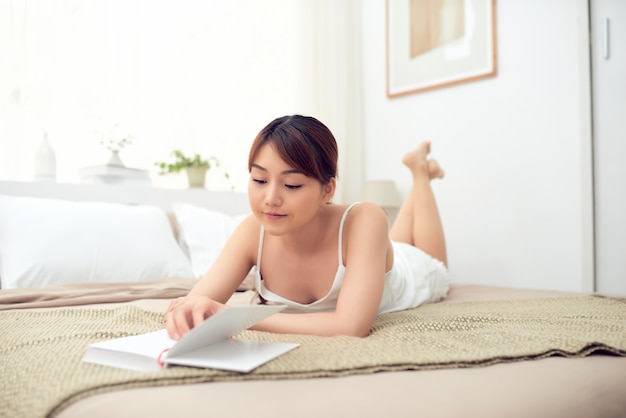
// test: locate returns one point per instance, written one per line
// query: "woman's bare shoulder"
(367, 217)
(368, 210)
(366, 234)
(249, 227)
(246, 235)
(359, 208)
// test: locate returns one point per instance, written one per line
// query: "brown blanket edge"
(75, 294)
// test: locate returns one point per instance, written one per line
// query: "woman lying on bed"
(336, 267)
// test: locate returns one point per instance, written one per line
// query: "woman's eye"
(293, 186)
(259, 181)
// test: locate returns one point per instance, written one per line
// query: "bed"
(84, 263)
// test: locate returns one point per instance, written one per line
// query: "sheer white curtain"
(72, 71)
(61, 75)
(201, 76)
(338, 87)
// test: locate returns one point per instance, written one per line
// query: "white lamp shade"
(382, 192)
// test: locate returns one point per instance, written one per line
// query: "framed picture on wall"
(438, 43)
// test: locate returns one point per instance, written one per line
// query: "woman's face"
(281, 197)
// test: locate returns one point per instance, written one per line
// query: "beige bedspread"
(47, 345)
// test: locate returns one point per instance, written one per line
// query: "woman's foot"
(417, 161)
(434, 170)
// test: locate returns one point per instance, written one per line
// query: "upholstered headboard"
(232, 203)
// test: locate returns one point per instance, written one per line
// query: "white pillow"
(203, 233)
(50, 241)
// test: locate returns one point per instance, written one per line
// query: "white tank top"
(324, 304)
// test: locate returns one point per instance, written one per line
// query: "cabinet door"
(608, 68)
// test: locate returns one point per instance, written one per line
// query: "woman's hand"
(187, 312)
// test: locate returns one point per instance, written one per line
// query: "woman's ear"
(329, 190)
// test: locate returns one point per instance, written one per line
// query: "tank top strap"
(260, 252)
(340, 238)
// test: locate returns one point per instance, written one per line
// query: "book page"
(233, 354)
(224, 324)
(137, 352)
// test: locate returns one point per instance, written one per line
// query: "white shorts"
(415, 278)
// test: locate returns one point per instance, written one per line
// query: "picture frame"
(439, 43)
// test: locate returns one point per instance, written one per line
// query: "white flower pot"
(196, 176)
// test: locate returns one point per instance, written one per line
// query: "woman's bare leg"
(418, 222)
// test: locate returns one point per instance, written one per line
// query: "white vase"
(45, 164)
(115, 159)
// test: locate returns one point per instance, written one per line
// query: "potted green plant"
(195, 166)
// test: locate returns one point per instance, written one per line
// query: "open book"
(208, 345)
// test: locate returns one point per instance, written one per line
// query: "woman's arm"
(232, 264)
(366, 245)
(218, 284)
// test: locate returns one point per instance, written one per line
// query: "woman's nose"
(273, 197)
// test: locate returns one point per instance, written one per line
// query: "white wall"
(516, 148)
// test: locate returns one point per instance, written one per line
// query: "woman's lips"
(273, 215)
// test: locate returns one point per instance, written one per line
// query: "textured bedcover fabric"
(592, 386)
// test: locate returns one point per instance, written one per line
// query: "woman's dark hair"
(303, 142)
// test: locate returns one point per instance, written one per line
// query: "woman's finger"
(170, 326)
(199, 313)
(180, 322)
(175, 303)
(188, 313)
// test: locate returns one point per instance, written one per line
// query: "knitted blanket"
(41, 351)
